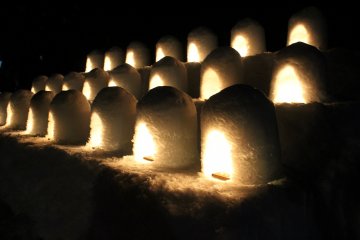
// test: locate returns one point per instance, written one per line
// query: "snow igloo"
(69, 118)
(95, 80)
(54, 83)
(201, 42)
(166, 129)
(239, 137)
(248, 38)
(4, 101)
(169, 46)
(113, 58)
(127, 77)
(95, 59)
(37, 123)
(113, 115)
(221, 69)
(299, 75)
(168, 72)
(39, 83)
(18, 109)
(137, 55)
(308, 26)
(73, 80)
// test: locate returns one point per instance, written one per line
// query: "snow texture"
(169, 46)
(145, 75)
(221, 69)
(169, 72)
(4, 101)
(170, 117)
(39, 107)
(116, 110)
(137, 55)
(113, 57)
(95, 80)
(18, 109)
(313, 24)
(248, 38)
(55, 83)
(38, 84)
(201, 42)
(95, 59)
(71, 115)
(127, 77)
(247, 120)
(74, 80)
(193, 75)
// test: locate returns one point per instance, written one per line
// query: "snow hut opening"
(4, 101)
(113, 115)
(95, 59)
(239, 137)
(69, 118)
(166, 129)
(169, 46)
(54, 83)
(127, 77)
(95, 80)
(221, 69)
(39, 83)
(201, 42)
(248, 38)
(137, 55)
(18, 109)
(73, 80)
(113, 58)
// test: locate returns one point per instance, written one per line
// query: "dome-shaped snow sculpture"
(113, 57)
(113, 117)
(299, 75)
(166, 129)
(54, 83)
(127, 77)
(73, 80)
(239, 137)
(248, 38)
(18, 109)
(137, 55)
(95, 80)
(69, 118)
(308, 26)
(221, 69)
(168, 72)
(4, 101)
(37, 123)
(95, 59)
(169, 46)
(38, 84)
(201, 42)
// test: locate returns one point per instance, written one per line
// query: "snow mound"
(137, 55)
(95, 59)
(54, 83)
(169, 46)
(95, 80)
(38, 84)
(4, 101)
(201, 42)
(18, 109)
(73, 80)
(127, 77)
(113, 57)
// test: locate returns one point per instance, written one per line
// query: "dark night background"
(56, 39)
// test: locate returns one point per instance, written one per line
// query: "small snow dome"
(4, 101)
(166, 129)
(201, 42)
(248, 38)
(113, 58)
(127, 77)
(38, 84)
(73, 80)
(221, 69)
(137, 55)
(37, 123)
(54, 83)
(113, 117)
(239, 137)
(18, 109)
(299, 75)
(169, 46)
(308, 26)
(69, 118)
(95, 59)
(168, 72)
(95, 80)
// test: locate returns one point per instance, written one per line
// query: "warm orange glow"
(144, 144)
(47, 88)
(241, 44)
(107, 64)
(30, 122)
(33, 89)
(156, 81)
(213, 84)
(159, 54)
(288, 87)
(112, 83)
(89, 65)
(193, 54)
(51, 127)
(96, 131)
(65, 87)
(299, 34)
(87, 90)
(9, 115)
(130, 58)
(216, 159)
